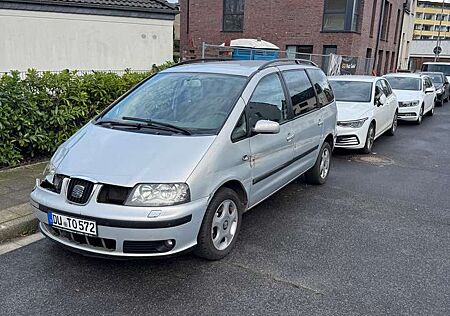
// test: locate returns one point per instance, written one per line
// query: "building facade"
(85, 35)
(361, 28)
(409, 18)
(432, 19)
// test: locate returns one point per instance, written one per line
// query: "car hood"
(348, 111)
(407, 95)
(127, 158)
(438, 85)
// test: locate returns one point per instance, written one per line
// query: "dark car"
(442, 86)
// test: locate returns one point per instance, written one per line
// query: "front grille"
(347, 140)
(154, 246)
(97, 242)
(79, 190)
(112, 194)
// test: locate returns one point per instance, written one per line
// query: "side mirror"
(429, 90)
(266, 127)
(381, 99)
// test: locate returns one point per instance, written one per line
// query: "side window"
(386, 88)
(268, 101)
(301, 91)
(424, 84)
(379, 90)
(240, 131)
(321, 85)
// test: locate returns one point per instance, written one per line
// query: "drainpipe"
(380, 22)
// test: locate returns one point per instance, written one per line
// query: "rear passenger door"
(306, 123)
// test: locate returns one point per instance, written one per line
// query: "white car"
(367, 108)
(416, 95)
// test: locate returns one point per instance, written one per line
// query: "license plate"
(72, 224)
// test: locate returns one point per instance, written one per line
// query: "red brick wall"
(284, 22)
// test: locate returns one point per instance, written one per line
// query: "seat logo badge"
(77, 191)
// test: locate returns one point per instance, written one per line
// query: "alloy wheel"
(394, 124)
(371, 138)
(224, 224)
(324, 163)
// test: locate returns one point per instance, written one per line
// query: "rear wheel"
(370, 139)
(318, 174)
(220, 226)
(391, 131)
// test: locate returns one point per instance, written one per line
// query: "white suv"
(416, 95)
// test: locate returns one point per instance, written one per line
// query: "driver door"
(271, 154)
(380, 110)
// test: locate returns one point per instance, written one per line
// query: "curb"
(20, 226)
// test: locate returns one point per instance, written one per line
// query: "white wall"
(56, 41)
(406, 37)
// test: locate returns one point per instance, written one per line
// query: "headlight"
(352, 124)
(163, 194)
(49, 172)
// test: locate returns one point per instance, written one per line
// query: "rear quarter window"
(322, 86)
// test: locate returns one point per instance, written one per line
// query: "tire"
(318, 174)
(420, 118)
(219, 225)
(370, 138)
(391, 131)
(431, 112)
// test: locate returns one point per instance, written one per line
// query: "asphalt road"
(375, 240)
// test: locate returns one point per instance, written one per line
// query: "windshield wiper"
(157, 124)
(117, 123)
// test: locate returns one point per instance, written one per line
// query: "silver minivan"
(172, 165)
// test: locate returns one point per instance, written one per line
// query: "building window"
(299, 51)
(341, 15)
(386, 20)
(372, 22)
(233, 15)
(329, 49)
(397, 26)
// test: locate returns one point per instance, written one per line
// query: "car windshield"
(404, 83)
(196, 103)
(352, 91)
(437, 68)
(437, 78)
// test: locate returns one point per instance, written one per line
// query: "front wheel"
(318, 174)
(431, 112)
(391, 131)
(370, 138)
(220, 226)
(420, 118)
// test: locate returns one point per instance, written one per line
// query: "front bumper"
(352, 138)
(409, 113)
(119, 226)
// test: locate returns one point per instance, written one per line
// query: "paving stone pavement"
(15, 212)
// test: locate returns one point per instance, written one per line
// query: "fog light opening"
(169, 243)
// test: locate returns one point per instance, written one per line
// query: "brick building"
(362, 28)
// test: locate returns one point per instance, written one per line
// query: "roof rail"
(200, 60)
(288, 60)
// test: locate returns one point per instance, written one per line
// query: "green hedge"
(42, 110)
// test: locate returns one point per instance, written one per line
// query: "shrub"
(41, 110)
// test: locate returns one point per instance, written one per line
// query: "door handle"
(290, 137)
(246, 158)
(320, 123)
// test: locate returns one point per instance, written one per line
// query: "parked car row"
(174, 163)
